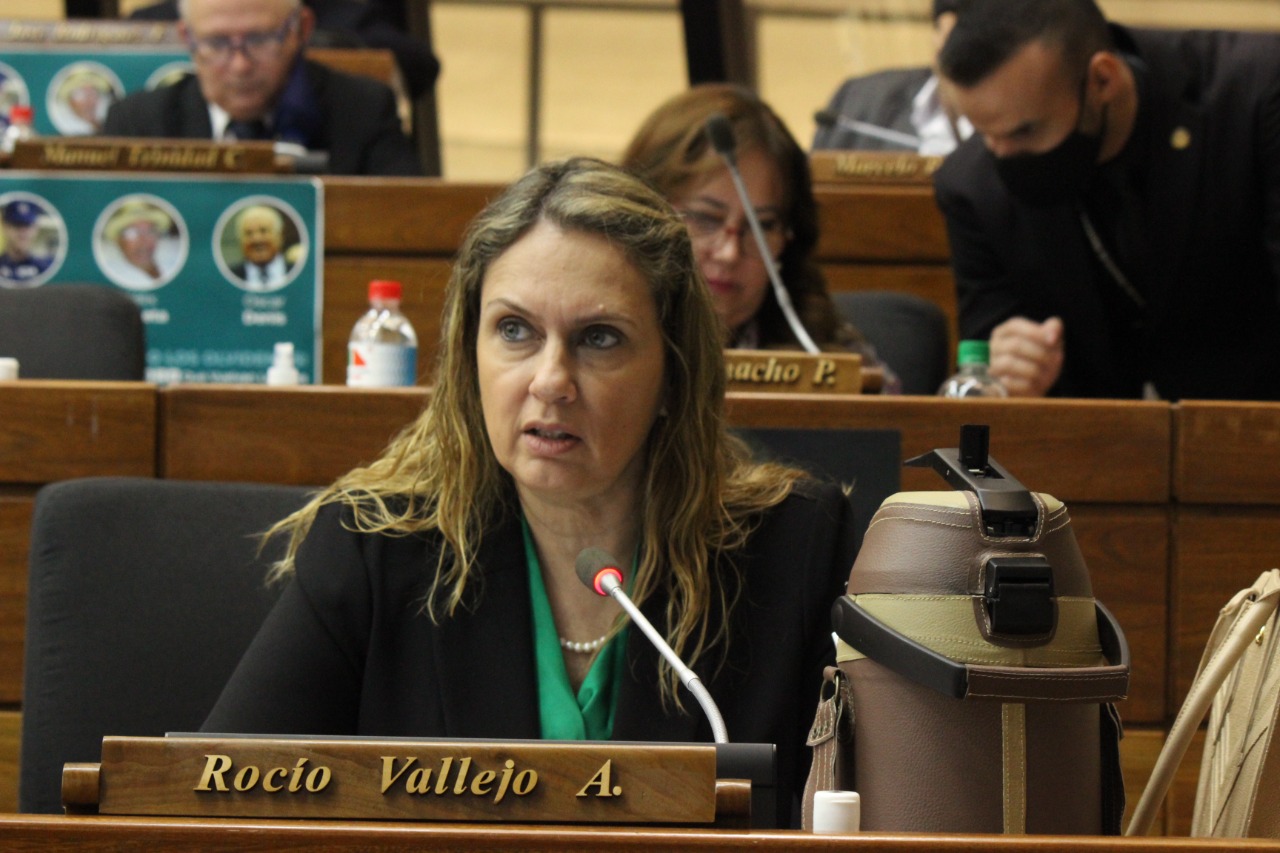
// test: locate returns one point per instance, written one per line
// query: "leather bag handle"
(1238, 624)
(924, 666)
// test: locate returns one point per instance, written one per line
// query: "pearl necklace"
(584, 648)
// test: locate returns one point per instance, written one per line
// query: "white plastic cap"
(836, 811)
(8, 369)
(283, 371)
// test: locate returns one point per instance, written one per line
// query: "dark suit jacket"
(883, 99)
(347, 649)
(1211, 166)
(364, 21)
(358, 122)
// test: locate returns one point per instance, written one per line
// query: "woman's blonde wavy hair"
(701, 491)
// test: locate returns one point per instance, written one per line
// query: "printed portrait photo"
(33, 240)
(13, 92)
(79, 97)
(261, 244)
(140, 242)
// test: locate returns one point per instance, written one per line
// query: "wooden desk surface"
(40, 833)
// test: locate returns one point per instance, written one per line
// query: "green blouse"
(589, 714)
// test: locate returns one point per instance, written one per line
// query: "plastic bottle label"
(375, 365)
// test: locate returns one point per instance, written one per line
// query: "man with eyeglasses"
(1115, 221)
(252, 82)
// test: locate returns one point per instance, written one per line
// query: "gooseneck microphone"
(830, 118)
(720, 132)
(600, 572)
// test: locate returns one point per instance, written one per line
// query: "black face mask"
(1058, 175)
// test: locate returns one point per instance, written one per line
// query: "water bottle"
(283, 369)
(19, 129)
(383, 351)
(973, 379)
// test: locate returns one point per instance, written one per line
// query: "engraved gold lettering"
(824, 373)
(246, 778)
(267, 784)
(214, 767)
(295, 782)
(480, 784)
(602, 782)
(460, 786)
(524, 782)
(388, 765)
(318, 779)
(505, 780)
(419, 781)
(442, 781)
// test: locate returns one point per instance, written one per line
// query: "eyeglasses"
(257, 47)
(711, 229)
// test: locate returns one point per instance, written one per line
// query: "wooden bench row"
(1172, 503)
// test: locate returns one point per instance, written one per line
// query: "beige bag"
(1238, 794)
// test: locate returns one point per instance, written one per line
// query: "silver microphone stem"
(875, 131)
(689, 678)
(779, 292)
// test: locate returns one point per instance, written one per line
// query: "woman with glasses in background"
(672, 151)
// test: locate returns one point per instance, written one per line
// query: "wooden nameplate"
(799, 372)
(108, 153)
(872, 167)
(460, 781)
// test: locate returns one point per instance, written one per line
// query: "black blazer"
(359, 126)
(1211, 166)
(883, 99)
(348, 650)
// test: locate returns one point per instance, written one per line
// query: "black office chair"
(143, 594)
(909, 333)
(73, 331)
(866, 460)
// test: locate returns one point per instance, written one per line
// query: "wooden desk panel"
(1080, 451)
(10, 739)
(295, 436)
(15, 537)
(53, 430)
(400, 216)
(1217, 551)
(38, 833)
(1227, 453)
(881, 223)
(1127, 550)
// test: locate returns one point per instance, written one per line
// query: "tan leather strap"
(1013, 759)
(831, 739)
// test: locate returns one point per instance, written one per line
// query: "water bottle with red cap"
(383, 350)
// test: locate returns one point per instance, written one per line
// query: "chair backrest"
(143, 595)
(72, 331)
(864, 459)
(909, 333)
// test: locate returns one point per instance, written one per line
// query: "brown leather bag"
(975, 669)
(1238, 683)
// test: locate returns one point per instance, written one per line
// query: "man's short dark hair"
(989, 32)
(941, 7)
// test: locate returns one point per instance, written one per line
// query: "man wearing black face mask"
(1115, 221)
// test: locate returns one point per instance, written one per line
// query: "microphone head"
(720, 132)
(593, 565)
(825, 118)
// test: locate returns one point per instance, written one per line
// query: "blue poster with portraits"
(70, 88)
(223, 268)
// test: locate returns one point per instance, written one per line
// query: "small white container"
(836, 812)
(8, 369)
